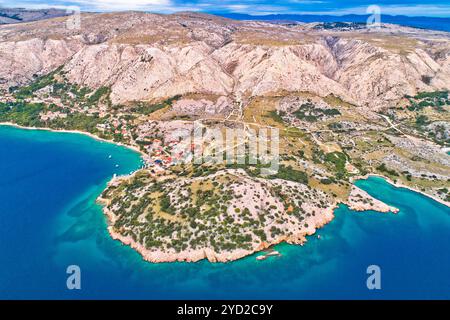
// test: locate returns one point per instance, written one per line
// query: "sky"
(436, 8)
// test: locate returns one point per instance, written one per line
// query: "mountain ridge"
(150, 56)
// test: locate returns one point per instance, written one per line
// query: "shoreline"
(159, 256)
(91, 135)
(196, 255)
(400, 185)
(192, 256)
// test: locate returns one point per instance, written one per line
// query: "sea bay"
(49, 220)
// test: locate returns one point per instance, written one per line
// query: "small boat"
(261, 258)
(110, 156)
(273, 253)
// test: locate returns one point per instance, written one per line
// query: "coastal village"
(175, 209)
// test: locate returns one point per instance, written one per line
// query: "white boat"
(273, 253)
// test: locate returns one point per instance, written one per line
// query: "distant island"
(431, 23)
(348, 102)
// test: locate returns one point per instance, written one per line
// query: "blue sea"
(431, 23)
(49, 220)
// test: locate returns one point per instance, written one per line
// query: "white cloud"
(417, 10)
(254, 7)
(237, 7)
(116, 5)
(97, 5)
(124, 4)
(308, 1)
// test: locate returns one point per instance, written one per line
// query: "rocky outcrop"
(22, 61)
(359, 200)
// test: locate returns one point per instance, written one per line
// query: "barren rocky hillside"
(148, 56)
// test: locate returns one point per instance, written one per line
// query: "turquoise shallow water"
(49, 220)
